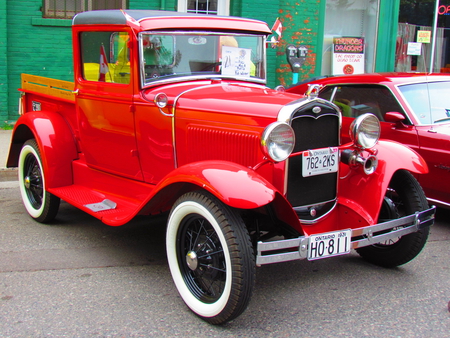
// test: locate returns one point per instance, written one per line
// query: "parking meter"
(296, 56)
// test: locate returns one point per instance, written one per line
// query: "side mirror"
(394, 117)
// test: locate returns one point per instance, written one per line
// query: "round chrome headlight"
(278, 141)
(365, 131)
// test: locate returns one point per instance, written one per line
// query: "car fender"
(234, 184)
(365, 193)
(56, 143)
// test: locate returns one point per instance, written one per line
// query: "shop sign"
(348, 55)
(444, 10)
(424, 36)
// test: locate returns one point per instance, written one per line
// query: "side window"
(105, 57)
(358, 100)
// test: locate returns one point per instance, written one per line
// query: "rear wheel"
(40, 204)
(210, 257)
(403, 197)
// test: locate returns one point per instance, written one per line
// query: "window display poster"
(348, 55)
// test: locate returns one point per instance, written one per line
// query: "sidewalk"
(6, 174)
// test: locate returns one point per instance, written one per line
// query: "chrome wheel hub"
(192, 260)
(27, 182)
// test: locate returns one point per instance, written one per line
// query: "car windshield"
(429, 101)
(167, 56)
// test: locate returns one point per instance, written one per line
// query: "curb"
(8, 174)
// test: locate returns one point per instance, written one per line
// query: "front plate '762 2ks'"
(320, 161)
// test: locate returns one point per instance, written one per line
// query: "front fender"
(234, 184)
(56, 143)
(365, 193)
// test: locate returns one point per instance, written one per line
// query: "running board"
(113, 199)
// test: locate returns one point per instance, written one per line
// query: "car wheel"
(210, 256)
(40, 204)
(403, 197)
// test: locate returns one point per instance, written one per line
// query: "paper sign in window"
(236, 61)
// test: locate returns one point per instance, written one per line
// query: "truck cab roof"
(141, 20)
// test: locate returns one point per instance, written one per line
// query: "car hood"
(226, 98)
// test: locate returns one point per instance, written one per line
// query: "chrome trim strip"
(399, 227)
(438, 202)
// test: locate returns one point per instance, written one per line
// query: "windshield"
(167, 56)
(430, 102)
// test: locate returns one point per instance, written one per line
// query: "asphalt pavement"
(78, 277)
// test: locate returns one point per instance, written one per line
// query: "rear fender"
(365, 193)
(56, 143)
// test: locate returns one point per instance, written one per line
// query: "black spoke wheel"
(403, 197)
(210, 257)
(40, 204)
(205, 270)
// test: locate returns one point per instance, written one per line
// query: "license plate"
(329, 244)
(320, 161)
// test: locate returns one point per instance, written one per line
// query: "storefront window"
(416, 17)
(350, 25)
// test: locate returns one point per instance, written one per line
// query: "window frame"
(223, 7)
(49, 11)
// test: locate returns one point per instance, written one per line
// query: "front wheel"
(210, 256)
(403, 197)
(40, 204)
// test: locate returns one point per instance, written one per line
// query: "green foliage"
(6, 125)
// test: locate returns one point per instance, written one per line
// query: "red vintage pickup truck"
(169, 113)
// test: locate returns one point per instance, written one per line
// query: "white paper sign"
(236, 61)
(414, 48)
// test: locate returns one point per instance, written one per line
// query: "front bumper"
(297, 248)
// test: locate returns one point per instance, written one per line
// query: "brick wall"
(301, 24)
(300, 21)
(35, 46)
(3, 64)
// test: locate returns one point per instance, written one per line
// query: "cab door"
(435, 149)
(105, 103)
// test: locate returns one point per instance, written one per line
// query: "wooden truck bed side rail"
(47, 86)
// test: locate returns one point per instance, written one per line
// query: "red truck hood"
(225, 97)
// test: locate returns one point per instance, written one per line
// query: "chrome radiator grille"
(316, 125)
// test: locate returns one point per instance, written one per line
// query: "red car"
(413, 109)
